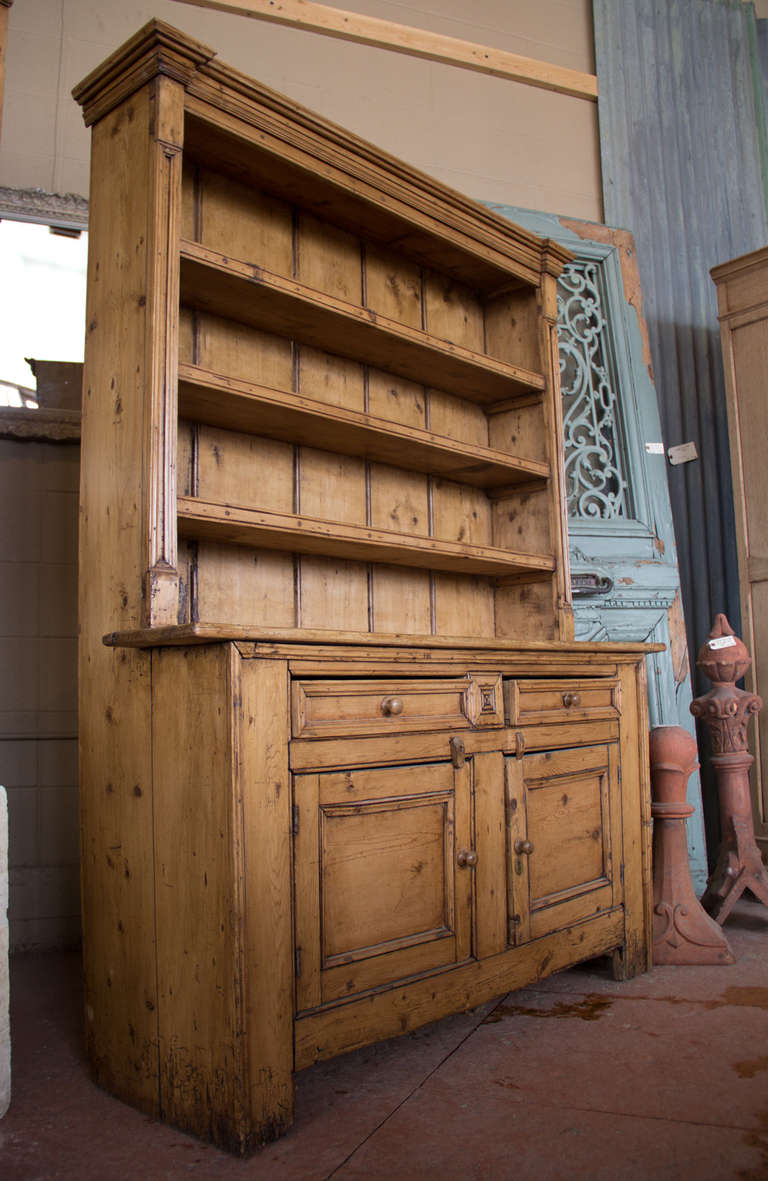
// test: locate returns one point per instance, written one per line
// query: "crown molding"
(157, 49)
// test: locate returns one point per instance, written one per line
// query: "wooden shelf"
(217, 400)
(241, 291)
(301, 644)
(369, 195)
(239, 525)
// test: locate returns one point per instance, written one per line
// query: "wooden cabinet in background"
(343, 769)
(742, 294)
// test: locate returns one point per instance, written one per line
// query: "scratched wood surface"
(116, 792)
(384, 899)
(346, 533)
(244, 468)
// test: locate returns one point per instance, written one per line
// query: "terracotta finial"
(723, 658)
(727, 712)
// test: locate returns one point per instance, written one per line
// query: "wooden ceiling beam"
(381, 34)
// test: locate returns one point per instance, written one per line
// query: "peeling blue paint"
(639, 553)
(683, 151)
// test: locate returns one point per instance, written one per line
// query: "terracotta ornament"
(727, 711)
(683, 933)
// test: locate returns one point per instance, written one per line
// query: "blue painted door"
(624, 569)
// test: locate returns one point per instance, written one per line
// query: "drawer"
(528, 702)
(325, 709)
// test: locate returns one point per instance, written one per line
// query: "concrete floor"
(665, 1076)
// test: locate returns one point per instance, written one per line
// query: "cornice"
(268, 110)
(56, 209)
(43, 425)
(157, 49)
(554, 256)
(218, 94)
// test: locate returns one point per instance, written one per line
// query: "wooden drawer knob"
(524, 847)
(391, 706)
(570, 699)
(466, 857)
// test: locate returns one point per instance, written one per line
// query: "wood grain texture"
(379, 896)
(394, 286)
(238, 467)
(511, 328)
(301, 825)
(397, 400)
(328, 484)
(491, 872)
(256, 585)
(243, 525)
(116, 786)
(567, 806)
(464, 603)
(252, 295)
(516, 657)
(366, 194)
(401, 599)
(221, 841)
(453, 312)
(242, 222)
(264, 785)
(306, 890)
(398, 1011)
(455, 418)
(529, 607)
(635, 955)
(517, 865)
(228, 137)
(328, 708)
(411, 748)
(199, 877)
(161, 604)
(330, 380)
(339, 591)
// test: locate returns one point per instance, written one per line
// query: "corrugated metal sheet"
(682, 131)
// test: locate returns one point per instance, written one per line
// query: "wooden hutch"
(343, 768)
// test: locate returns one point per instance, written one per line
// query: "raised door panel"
(747, 419)
(562, 809)
(379, 894)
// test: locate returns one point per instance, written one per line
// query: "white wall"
(492, 139)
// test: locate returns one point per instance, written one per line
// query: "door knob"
(524, 847)
(466, 858)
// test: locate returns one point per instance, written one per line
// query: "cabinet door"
(383, 890)
(562, 812)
